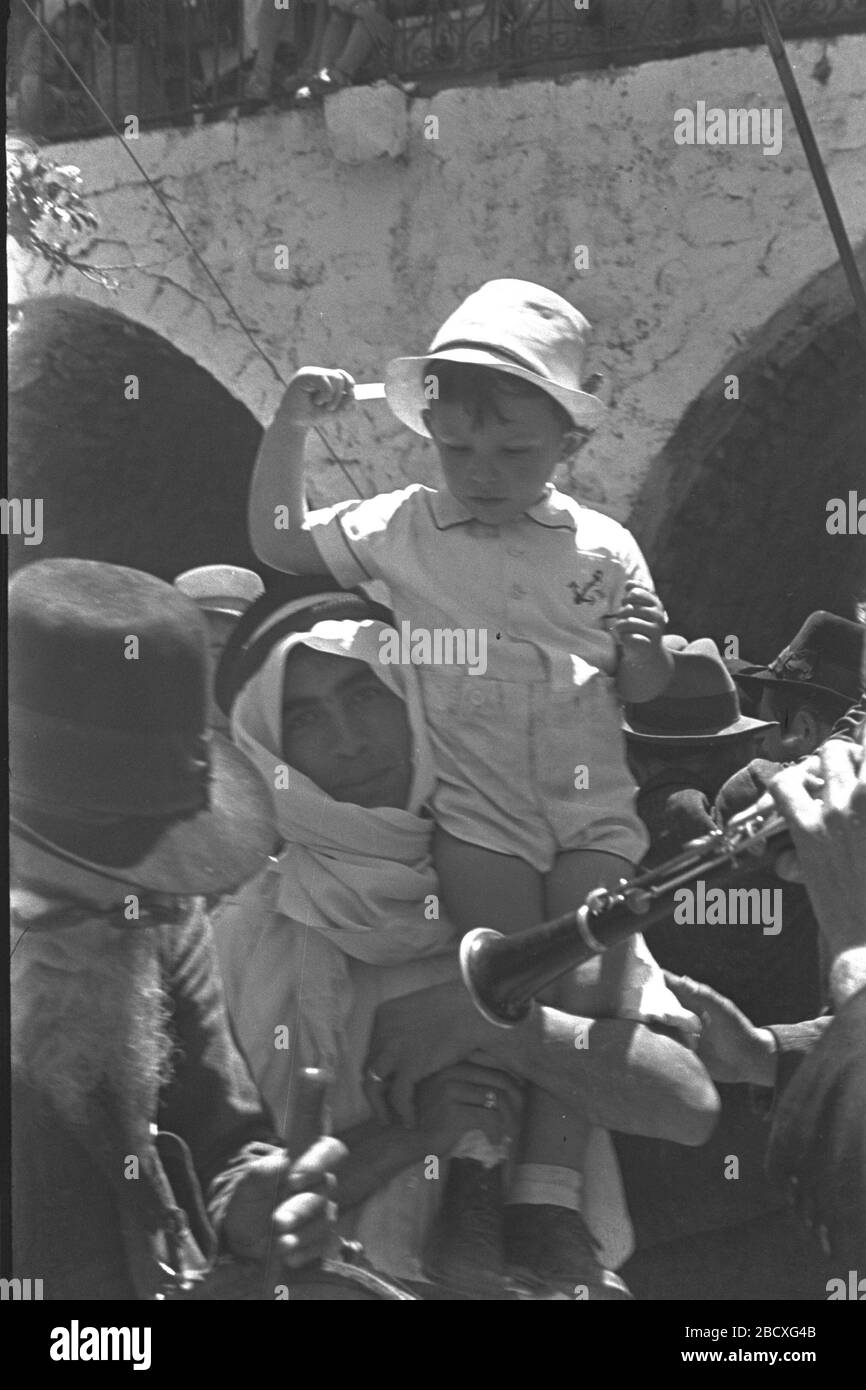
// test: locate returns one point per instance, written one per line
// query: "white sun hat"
(519, 328)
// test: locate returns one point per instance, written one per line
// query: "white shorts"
(531, 770)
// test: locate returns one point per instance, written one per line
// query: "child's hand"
(639, 625)
(314, 393)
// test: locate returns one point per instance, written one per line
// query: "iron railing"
(169, 62)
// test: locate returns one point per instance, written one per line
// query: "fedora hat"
(826, 656)
(293, 605)
(221, 588)
(112, 766)
(699, 705)
(519, 328)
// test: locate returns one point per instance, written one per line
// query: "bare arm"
(622, 1073)
(277, 503)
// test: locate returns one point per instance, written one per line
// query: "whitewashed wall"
(691, 249)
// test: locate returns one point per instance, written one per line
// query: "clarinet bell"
(487, 961)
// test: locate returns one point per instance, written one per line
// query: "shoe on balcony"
(328, 80)
(465, 1251)
(551, 1253)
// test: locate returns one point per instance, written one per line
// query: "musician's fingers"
(320, 1159)
(296, 1211)
(789, 790)
(839, 761)
(293, 1252)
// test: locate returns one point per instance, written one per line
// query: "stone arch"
(733, 511)
(158, 483)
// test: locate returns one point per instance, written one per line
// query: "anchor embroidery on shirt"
(590, 591)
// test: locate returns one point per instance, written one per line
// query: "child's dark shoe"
(550, 1251)
(465, 1250)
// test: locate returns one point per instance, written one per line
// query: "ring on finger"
(374, 1076)
(490, 1102)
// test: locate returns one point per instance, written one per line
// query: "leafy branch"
(46, 210)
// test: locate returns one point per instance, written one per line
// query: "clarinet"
(503, 974)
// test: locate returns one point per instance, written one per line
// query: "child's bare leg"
(481, 888)
(550, 1136)
(547, 1238)
(624, 979)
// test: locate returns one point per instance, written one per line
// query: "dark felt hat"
(112, 765)
(825, 656)
(699, 705)
(293, 604)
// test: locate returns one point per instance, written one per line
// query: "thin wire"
(179, 226)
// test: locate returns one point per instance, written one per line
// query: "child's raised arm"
(277, 505)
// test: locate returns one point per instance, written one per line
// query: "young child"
(534, 804)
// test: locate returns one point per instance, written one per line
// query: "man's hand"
(281, 1210)
(730, 1046)
(313, 394)
(827, 821)
(416, 1036)
(466, 1097)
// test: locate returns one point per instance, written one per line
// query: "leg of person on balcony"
(355, 29)
(274, 26)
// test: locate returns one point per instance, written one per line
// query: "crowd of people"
(247, 841)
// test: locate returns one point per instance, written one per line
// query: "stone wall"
(692, 249)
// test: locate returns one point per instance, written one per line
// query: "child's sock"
(475, 1144)
(544, 1184)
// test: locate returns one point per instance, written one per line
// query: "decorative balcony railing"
(170, 62)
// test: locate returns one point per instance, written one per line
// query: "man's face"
(498, 468)
(345, 731)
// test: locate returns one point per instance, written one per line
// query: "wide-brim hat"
(519, 328)
(825, 656)
(226, 589)
(700, 705)
(112, 764)
(294, 605)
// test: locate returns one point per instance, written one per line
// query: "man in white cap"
(223, 593)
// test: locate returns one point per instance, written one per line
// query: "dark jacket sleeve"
(818, 1140)
(211, 1101)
